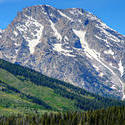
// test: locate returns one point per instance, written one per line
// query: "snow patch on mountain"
(101, 74)
(96, 68)
(34, 38)
(90, 52)
(37, 36)
(57, 34)
(121, 68)
(33, 43)
(91, 16)
(15, 33)
(81, 35)
(63, 15)
(107, 34)
(16, 44)
(66, 38)
(58, 48)
(105, 40)
(100, 38)
(123, 90)
(113, 87)
(109, 52)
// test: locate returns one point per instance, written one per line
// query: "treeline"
(83, 99)
(110, 116)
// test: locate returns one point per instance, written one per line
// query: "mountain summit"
(70, 45)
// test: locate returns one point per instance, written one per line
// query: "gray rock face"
(71, 45)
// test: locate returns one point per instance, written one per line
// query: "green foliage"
(25, 91)
(110, 116)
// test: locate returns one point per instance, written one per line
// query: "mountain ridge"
(71, 45)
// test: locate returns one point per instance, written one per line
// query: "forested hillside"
(23, 91)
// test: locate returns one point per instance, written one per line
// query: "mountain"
(71, 45)
(25, 91)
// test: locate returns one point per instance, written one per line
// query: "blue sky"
(112, 12)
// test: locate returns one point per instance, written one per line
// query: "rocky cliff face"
(71, 45)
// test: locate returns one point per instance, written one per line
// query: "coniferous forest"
(110, 116)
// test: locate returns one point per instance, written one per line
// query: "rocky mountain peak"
(67, 44)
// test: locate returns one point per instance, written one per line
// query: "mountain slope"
(24, 90)
(70, 45)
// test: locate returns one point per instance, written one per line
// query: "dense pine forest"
(110, 116)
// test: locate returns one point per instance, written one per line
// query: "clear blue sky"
(112, 12)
